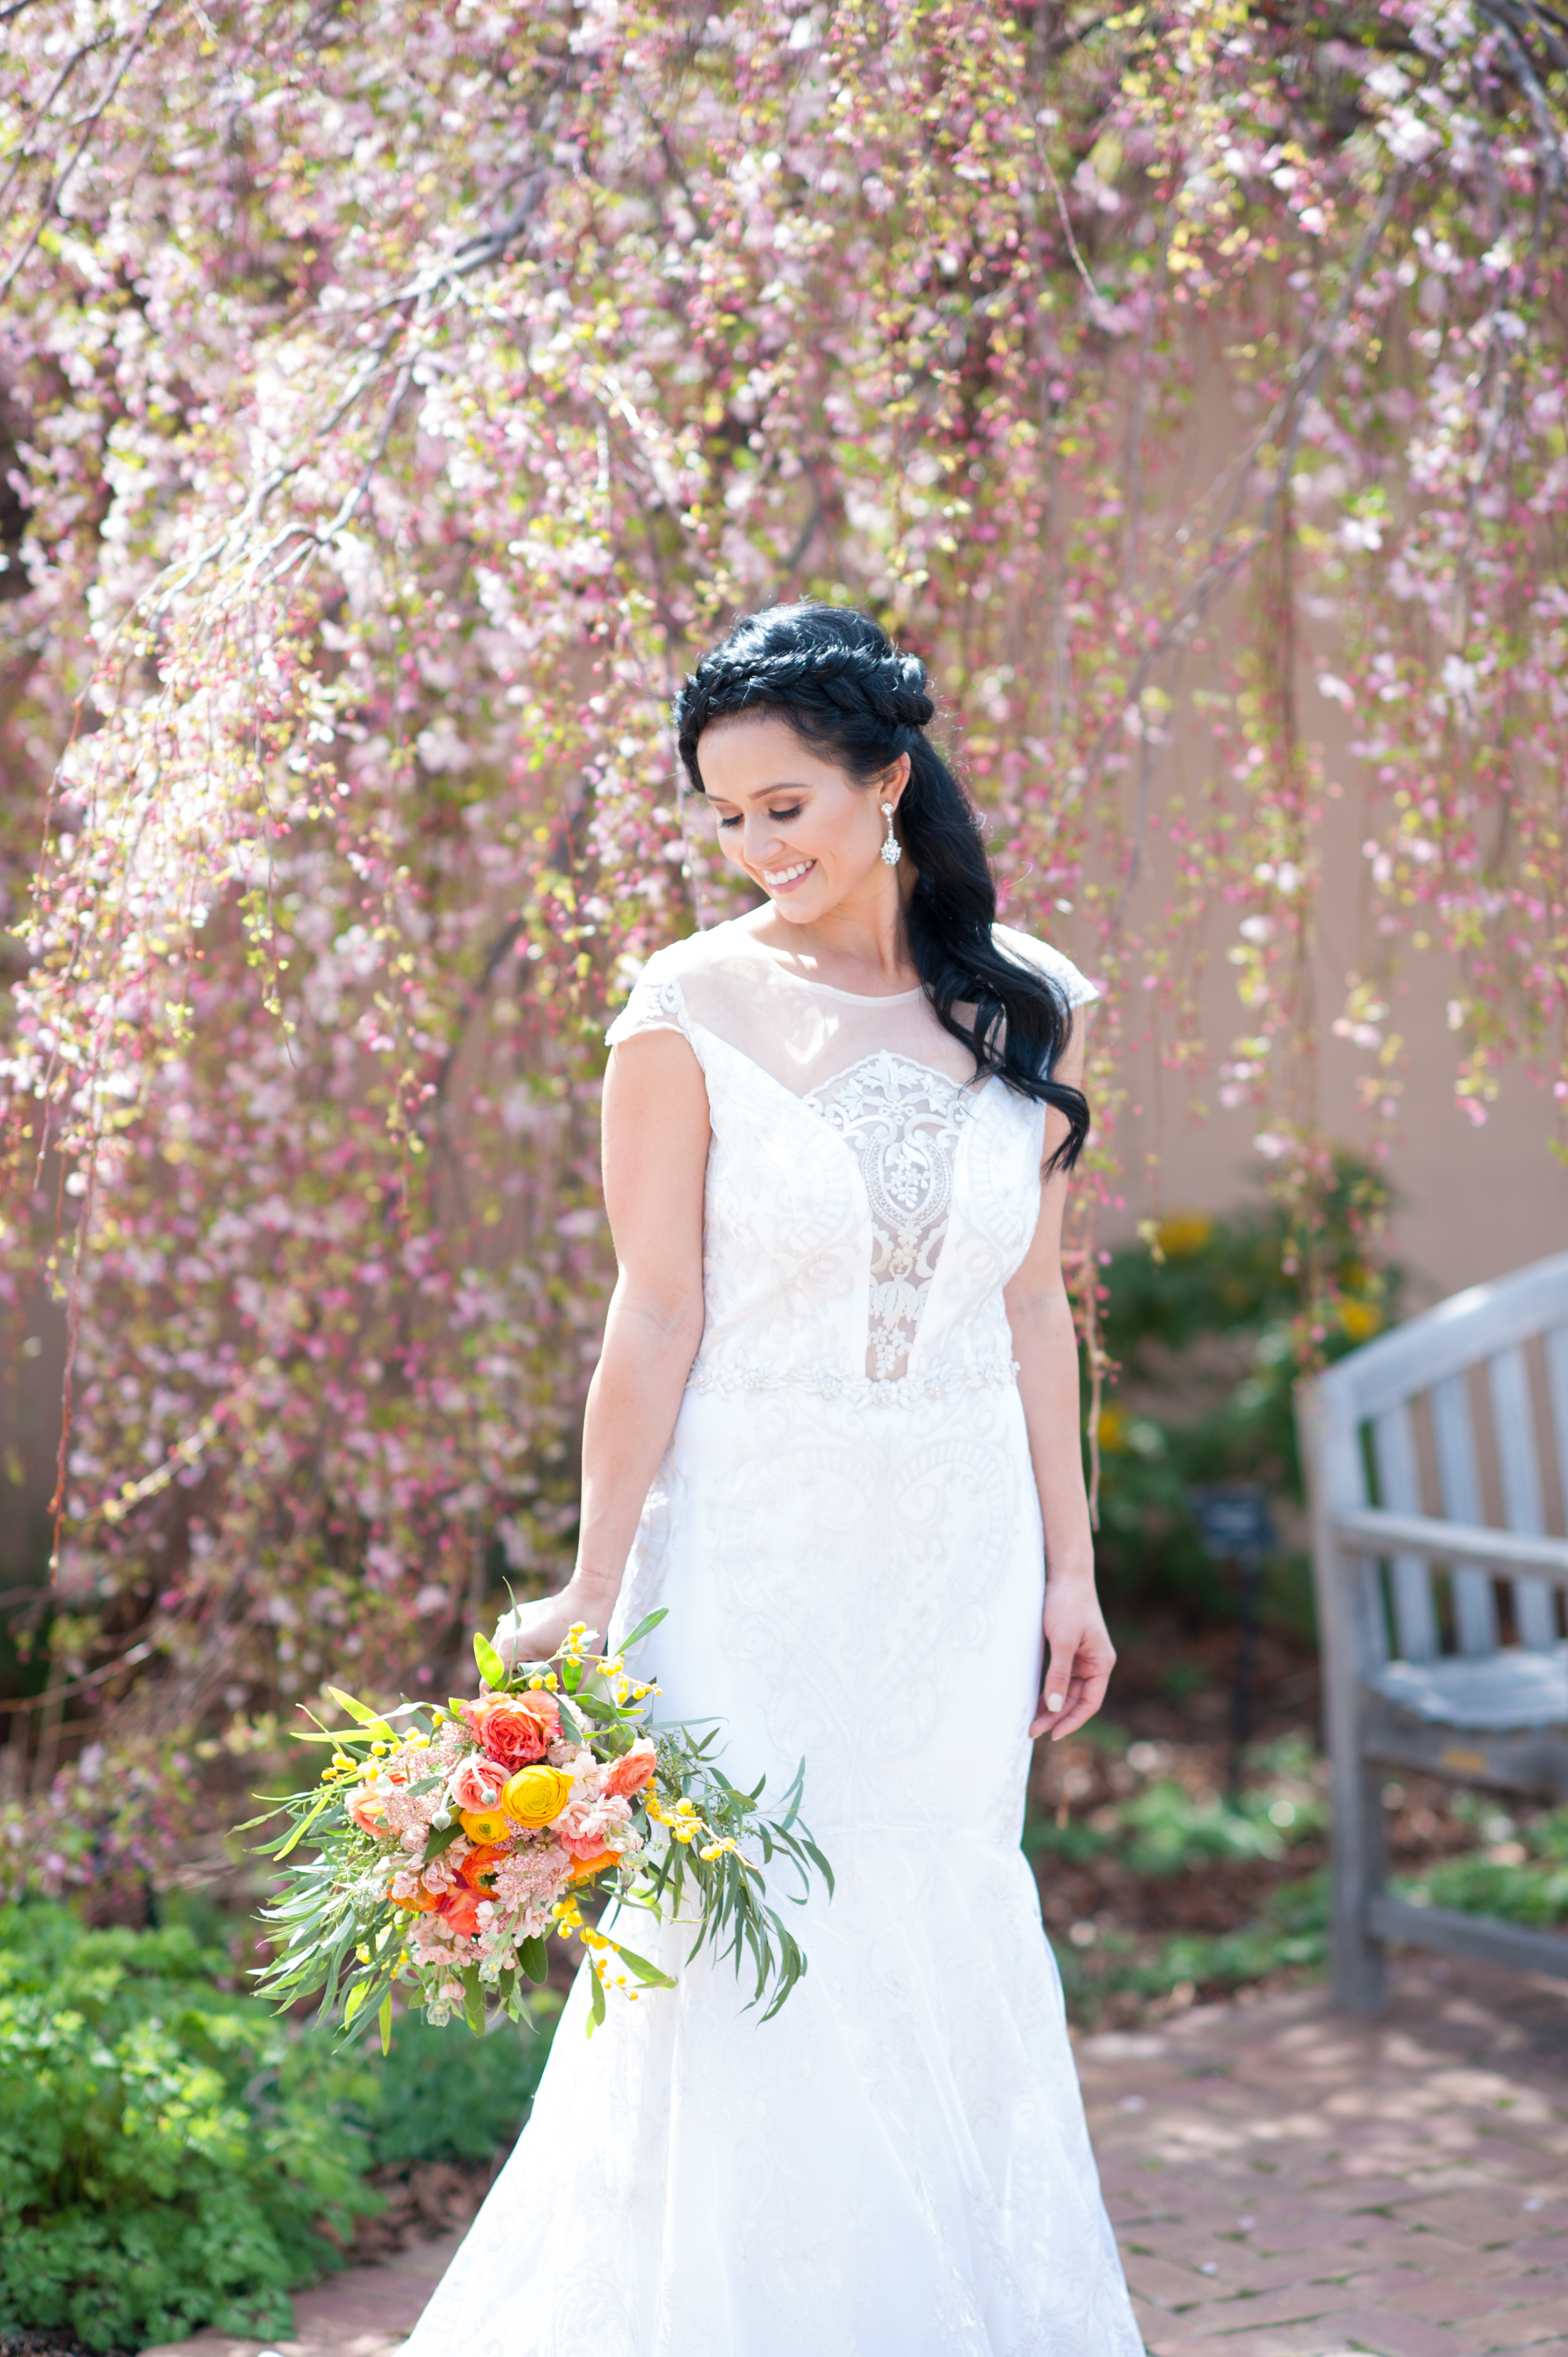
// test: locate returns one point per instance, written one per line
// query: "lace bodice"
(901, 1122)
(866, 1201)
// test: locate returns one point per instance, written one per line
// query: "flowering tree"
(391, 400)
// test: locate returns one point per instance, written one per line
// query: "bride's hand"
(1079, 1659)
(532, 1631)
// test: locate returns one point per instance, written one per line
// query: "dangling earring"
(892, 850)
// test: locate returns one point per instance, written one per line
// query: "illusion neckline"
(860, 997)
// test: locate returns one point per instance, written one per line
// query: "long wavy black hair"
(847, 692)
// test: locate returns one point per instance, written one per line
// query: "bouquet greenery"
(447, 1844)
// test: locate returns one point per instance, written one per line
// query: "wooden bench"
(1433, 1458)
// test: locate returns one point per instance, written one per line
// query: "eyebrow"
(779, 786)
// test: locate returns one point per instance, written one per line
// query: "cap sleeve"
(657, 1004)
(1075, 987)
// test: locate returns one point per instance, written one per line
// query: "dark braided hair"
(846, 692)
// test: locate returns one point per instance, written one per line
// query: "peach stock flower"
(420, 1901)
(516, 1729)
(592, 1825)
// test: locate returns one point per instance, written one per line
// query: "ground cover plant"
(174, 2155)
(169, 2157)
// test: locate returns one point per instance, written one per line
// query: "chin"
(799, 909)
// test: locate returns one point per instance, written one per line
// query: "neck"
(864, 938)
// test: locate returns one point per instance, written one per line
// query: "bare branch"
(1546, 131)
(51, 202)
(1078, 263)
(26, 148)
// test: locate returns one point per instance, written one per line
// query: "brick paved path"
(363, 2312)
(1284, 2183)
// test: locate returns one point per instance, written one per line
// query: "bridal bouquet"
(448, 1843)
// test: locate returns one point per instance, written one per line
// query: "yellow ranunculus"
(486, 1826)
(535, 1795)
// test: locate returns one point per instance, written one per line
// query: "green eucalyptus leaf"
(372, 1721)
(646, 1973)
(649, 1622)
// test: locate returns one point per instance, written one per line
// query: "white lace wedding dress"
(846, 1534)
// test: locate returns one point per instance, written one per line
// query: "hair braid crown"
(835, 678)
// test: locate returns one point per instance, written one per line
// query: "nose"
(763, 843)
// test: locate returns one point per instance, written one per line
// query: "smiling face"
(794, 821)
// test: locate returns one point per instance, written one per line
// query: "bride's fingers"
(1089, 1693)
(1059, 1689)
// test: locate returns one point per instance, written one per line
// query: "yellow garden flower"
(485, 1826)
(535, 1796)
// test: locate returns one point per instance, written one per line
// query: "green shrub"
(168, 2150)
(1202, 1322)
(442, 2096)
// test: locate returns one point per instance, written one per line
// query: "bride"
(834, 1430)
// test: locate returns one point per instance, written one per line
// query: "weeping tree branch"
(1224, 564)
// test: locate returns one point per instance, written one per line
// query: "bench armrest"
(1370, 1531)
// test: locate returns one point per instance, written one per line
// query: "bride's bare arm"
(655, 1155)
(1080, 1657)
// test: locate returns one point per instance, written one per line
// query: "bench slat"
(1555, 1343)
(1485, 1939)
(1514, 1421)
(1369, 1530)
(1398, 1481)
(1523, 1759)
(1475, 1606)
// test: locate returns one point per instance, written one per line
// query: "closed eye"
(780, 817)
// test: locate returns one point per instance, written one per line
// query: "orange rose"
(369, 1812)
(515, 1728)
(420, 1901)
(629, 1773)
